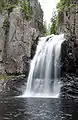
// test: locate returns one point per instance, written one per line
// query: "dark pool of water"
(38, 109)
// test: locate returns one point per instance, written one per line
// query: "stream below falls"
(38, 109)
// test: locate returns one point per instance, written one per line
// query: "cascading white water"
(44, 75)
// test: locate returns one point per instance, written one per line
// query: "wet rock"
(69, 86)
(69, 69)
(14, 86)
(76, 55)
(68, 58)
(69, 52)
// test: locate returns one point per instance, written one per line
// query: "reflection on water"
(38, 109)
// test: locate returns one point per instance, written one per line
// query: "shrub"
(6, 25)
(26, 9)
(8, 5)
(54, 24)
(62, 4)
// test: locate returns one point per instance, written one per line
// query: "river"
(38, 109)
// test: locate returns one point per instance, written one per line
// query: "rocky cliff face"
(69, 20)
(17, 36)
(69, 26)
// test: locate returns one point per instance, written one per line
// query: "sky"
(48, 7)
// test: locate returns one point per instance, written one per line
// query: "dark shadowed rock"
(69, 88)
(68, 58)
(14, 86)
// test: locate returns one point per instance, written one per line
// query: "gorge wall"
(17, 38)
(68, 24)
(69, 20)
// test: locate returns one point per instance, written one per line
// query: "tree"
(62, 4)
(26, 9)
(45, 28)
(8, 5)
(60, 8)
(54, 24)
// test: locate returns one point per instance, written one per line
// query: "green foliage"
(6, 25)
(2, 5)
(45, 28)
(54, 25)
(6, 76)
(8, 5)
(60, 7)
(62, 4)
(26, 9)
(13, 2)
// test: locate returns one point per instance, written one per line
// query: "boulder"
(13, 86)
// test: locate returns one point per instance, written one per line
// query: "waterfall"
(44, 75)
